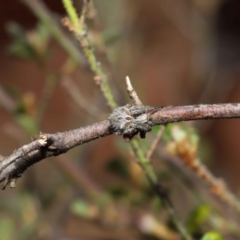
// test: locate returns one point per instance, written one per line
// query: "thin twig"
(132, 93)
(217, 186)
(40, 10)
(160, 190)
(78, 97)
(145, 163)
(48, 91)
(155, 142)
(136, 100)
(186, 150)
(100, 78)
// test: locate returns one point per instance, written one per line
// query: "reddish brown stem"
(48, 145)
(196, 112)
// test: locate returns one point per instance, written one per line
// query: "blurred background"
(176, 53)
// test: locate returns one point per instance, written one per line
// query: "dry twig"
(47, 145)
(155, 142)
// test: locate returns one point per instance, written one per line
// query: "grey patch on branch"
(129, 120)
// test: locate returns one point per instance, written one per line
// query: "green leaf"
(110, 36)
(27, 122)
(167, 136)
(80, 207)
(192, 132)
(212, 236)
(20, 46)
(20, 49)
(15, 30)
(155, 129)
(198, 217)
(28, 45)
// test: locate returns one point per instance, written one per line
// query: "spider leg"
(144, 127)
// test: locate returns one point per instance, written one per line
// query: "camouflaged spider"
(130, 120)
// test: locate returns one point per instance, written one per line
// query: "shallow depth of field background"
(175, 52)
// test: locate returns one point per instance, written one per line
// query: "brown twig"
(48, 145)
(132, 93)
(216, 186)
(78, 98)
(155, 183)
(186, 150)
(56, 144)
(155, 142)
(196, 112)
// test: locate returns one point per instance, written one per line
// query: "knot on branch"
(129, 120)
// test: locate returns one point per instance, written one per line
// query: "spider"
(130, 120)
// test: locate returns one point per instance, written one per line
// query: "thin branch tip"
(132, 93)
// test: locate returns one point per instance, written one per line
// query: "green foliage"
(43, 33)
(103, 200)
(27, 122)
(156, 204)
(28, 45)
(110, 36)
(118, 167)
(20, 46)
(198, 218)
(117, 191)
(6, 228)
(183, 130)
(24, 210)
(23, 114)
(155, 129)
(212, 236)
(167, 133)
(33, 45)
(192, 133)
(80, 208)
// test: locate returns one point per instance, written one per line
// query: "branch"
(47, 145)
(196, 112)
